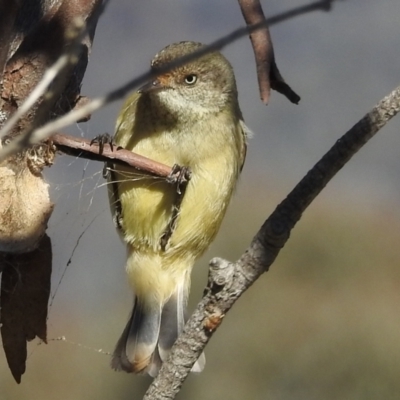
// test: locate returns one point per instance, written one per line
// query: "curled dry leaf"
(25, 206)
(25, 290)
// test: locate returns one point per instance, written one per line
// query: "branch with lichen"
(228, 281)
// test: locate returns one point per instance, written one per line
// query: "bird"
(188, 116)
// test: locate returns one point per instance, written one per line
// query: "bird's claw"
(101, 140)
(179, 176)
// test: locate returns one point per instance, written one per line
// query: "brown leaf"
(25, 290)
(268, 74)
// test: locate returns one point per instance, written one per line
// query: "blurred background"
(324, 322)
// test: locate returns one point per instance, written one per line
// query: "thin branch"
(75, 115)
(228, 281)
(80, 147)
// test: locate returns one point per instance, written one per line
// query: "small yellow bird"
(189, 116)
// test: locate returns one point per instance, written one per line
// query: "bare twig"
(227, 282)
(75, 115)
(80, 147)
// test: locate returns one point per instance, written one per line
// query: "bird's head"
(203, 86)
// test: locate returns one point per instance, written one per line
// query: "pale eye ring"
(190, 79)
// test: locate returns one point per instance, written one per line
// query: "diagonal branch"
(228, 281)
(83, 148)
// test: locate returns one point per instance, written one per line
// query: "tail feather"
(199, 364)
(135, 348)
(149, 335)
(120, 361)
(172, 323)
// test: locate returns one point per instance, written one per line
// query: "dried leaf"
(25, 290)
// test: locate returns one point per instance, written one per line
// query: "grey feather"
(149, 335)
(136, 346)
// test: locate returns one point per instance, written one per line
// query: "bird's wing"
(246, 133)
(126, 120)
(123, 132)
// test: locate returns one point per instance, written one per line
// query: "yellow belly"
(147, 209)
(147, 205)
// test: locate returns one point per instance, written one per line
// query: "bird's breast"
(211, 152)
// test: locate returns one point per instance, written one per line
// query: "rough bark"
(33, 35)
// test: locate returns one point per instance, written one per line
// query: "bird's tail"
(149, 335)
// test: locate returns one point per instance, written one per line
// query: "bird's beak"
(152, 86)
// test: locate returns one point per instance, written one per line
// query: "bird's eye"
(190, 79)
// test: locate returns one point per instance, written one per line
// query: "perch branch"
(80, 147)
(228, 281)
